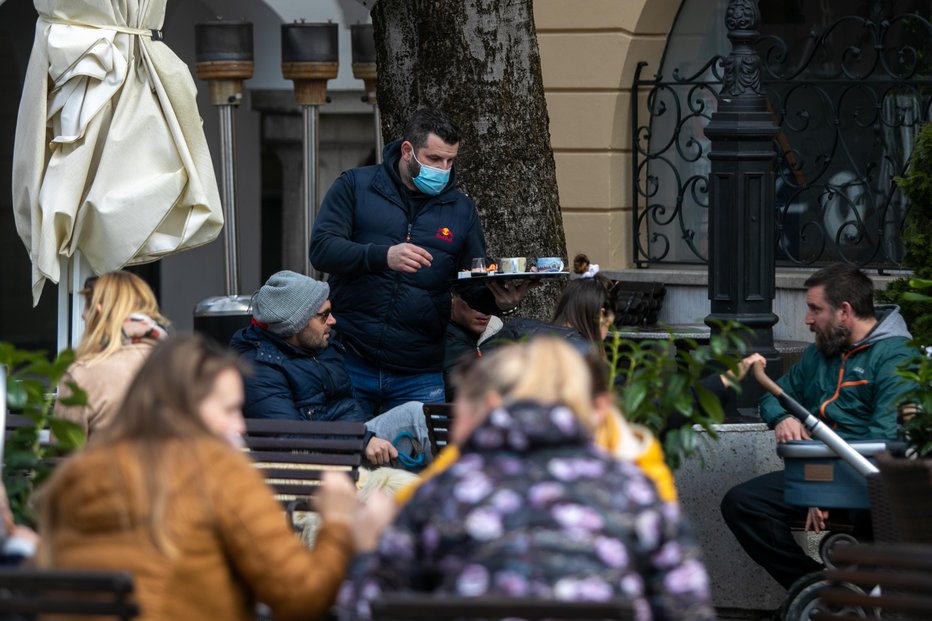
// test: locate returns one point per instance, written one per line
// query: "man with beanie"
(392, 237)
(298, 374)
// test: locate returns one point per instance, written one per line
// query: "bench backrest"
(398, 607)
(903, 573)
(67, 592)
(292, 455)
(438, 417)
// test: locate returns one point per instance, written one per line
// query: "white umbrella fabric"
(110, 158)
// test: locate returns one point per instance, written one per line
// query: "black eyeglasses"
(324, 316)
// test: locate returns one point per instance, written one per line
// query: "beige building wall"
(589, 50)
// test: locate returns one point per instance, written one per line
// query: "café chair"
(76, 593)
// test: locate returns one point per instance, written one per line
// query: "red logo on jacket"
(445, 234)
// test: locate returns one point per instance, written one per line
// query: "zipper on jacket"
(408, 236)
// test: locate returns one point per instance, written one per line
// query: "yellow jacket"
(615, 435)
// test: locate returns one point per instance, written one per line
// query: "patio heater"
(364, 68)
(223, 51)
(310, 57)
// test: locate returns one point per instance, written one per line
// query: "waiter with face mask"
(392, 237)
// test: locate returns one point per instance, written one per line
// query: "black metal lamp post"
(223, 51)
(741, 231)
(365, 69)
(310, 57)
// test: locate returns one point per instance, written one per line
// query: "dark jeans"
(379, 390)
(760, 520)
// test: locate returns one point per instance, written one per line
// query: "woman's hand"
(336, 500)
(377, 513)
(746, 363)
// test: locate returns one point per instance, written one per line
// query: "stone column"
(741, 231)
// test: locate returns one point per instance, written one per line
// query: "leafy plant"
(918, 413)
(28, 457)
(917, 239)
(658, 384)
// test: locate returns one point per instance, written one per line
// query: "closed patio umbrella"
(110, 159)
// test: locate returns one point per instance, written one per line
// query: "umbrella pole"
(63, 279)
(310, 57)
(310, 119)
(228, 191)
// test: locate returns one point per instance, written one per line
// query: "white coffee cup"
(549, 264)
(512, 265)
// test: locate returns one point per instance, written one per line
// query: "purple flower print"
(484, 524)
(506, 501)
(647, 527)
(472, 581)
(564, 419)
(501, 418)
(574, 589)
(517, 440)
(632, 585)
(690, 577)
(487, 438)
(669, 555)
(473, 488)
(509, 466)
(430, 538)
(544, 493)
(396, 543)
(640, 491)
(511, 583)
(573, 469)
(611, 551)
(577, 517)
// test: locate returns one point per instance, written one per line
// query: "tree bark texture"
(478, 61)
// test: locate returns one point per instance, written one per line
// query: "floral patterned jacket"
(533, 509)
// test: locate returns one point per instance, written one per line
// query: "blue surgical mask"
(430, 180)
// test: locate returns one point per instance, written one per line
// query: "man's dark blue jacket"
(394, 320)
(291, 383)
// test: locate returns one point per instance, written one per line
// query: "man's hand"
(815, 519)
(408, 258)
(508, 296)
(730, 377)
(380, 452)
(790, 429)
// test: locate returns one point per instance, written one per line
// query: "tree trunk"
(478, 61)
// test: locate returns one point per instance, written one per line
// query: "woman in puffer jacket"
(532, 507)
(122, 323)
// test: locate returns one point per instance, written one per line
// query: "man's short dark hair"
(845, 283)
(430, 121)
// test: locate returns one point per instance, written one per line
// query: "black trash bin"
(221, 316)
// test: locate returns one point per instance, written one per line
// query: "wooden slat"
(392, 607)
(75, 593)
(438, 417)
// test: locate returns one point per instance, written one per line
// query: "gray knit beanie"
(287, 300)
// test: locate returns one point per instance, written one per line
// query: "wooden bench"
(438, 417)
(66, 592)
(293, 455)
(894, 580)
(401, 607)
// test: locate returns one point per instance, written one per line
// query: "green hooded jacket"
(856, 393)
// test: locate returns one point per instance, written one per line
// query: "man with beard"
(298, 374)
(848, 378)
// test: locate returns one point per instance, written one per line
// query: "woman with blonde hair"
(122, 324)
(532, 508)
(161, 494)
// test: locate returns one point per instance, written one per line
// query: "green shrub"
(658, 385)
(27, 461)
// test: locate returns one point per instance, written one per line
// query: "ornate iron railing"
(848, 102)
